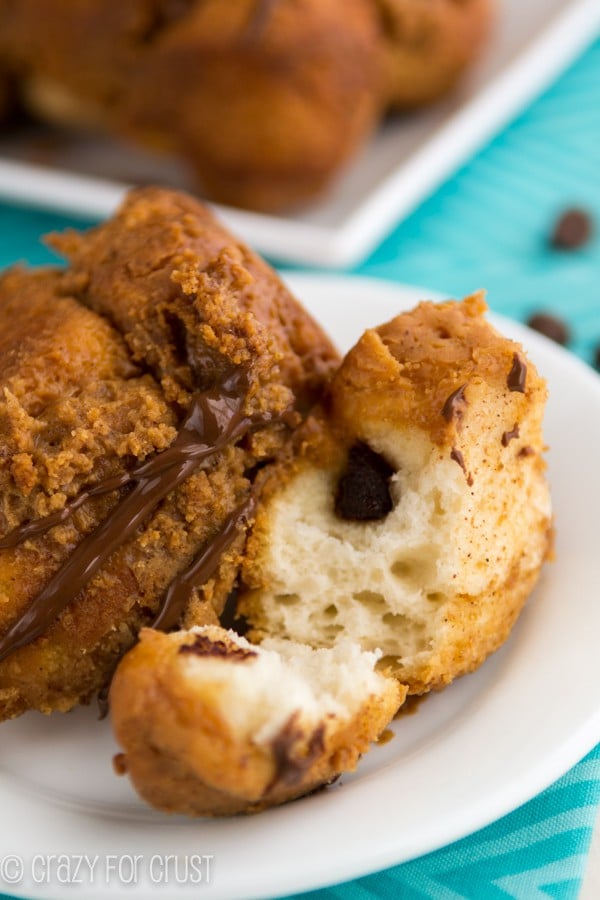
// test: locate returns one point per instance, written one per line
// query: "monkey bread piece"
(212, 725)
(178, 287)
(415, 517)
(265, 100)
(140, 392)
(428, 45)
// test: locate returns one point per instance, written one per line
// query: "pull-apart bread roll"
(141, 389)
(265, 101)
(212, 725)
(413, 515)
(428, 44)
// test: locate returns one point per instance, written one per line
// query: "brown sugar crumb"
(385, 737)
(24, 473)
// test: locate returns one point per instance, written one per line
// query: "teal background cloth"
(488, 226)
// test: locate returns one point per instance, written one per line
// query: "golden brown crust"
(92, 361)
(477, 626)
(406, 372)
(428, 46)
(184, 757)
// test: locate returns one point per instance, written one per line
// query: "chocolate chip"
(551, 327)
(231, 619)
(508, 436)
(455, 405)
(527, 451)
(292, 760)
(517, 375)
(363, 491)
(204, 646)
(572, 230)
(457, 457)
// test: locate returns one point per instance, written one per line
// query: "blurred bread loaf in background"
(265, 100)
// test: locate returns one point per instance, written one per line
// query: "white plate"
(470, 754)
(406, 160)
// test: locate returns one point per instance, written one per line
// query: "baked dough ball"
(415, 516)
(178, 287)
(265, 101)
(428, 45)
(212, 725)
(140, 391)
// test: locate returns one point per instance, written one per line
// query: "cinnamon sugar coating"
(95, 378)
(406, 371)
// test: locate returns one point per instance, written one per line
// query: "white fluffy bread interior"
(258, 695)
(388, 583)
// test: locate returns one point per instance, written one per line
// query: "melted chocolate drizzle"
(457, 457)
(455, 405)
(292, 760)
(518, 374)
(181, 588)
(214, 420)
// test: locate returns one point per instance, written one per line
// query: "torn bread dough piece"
(414, 514)
(212, 725)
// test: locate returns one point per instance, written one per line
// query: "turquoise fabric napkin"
(535, 853)
(487, 227)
